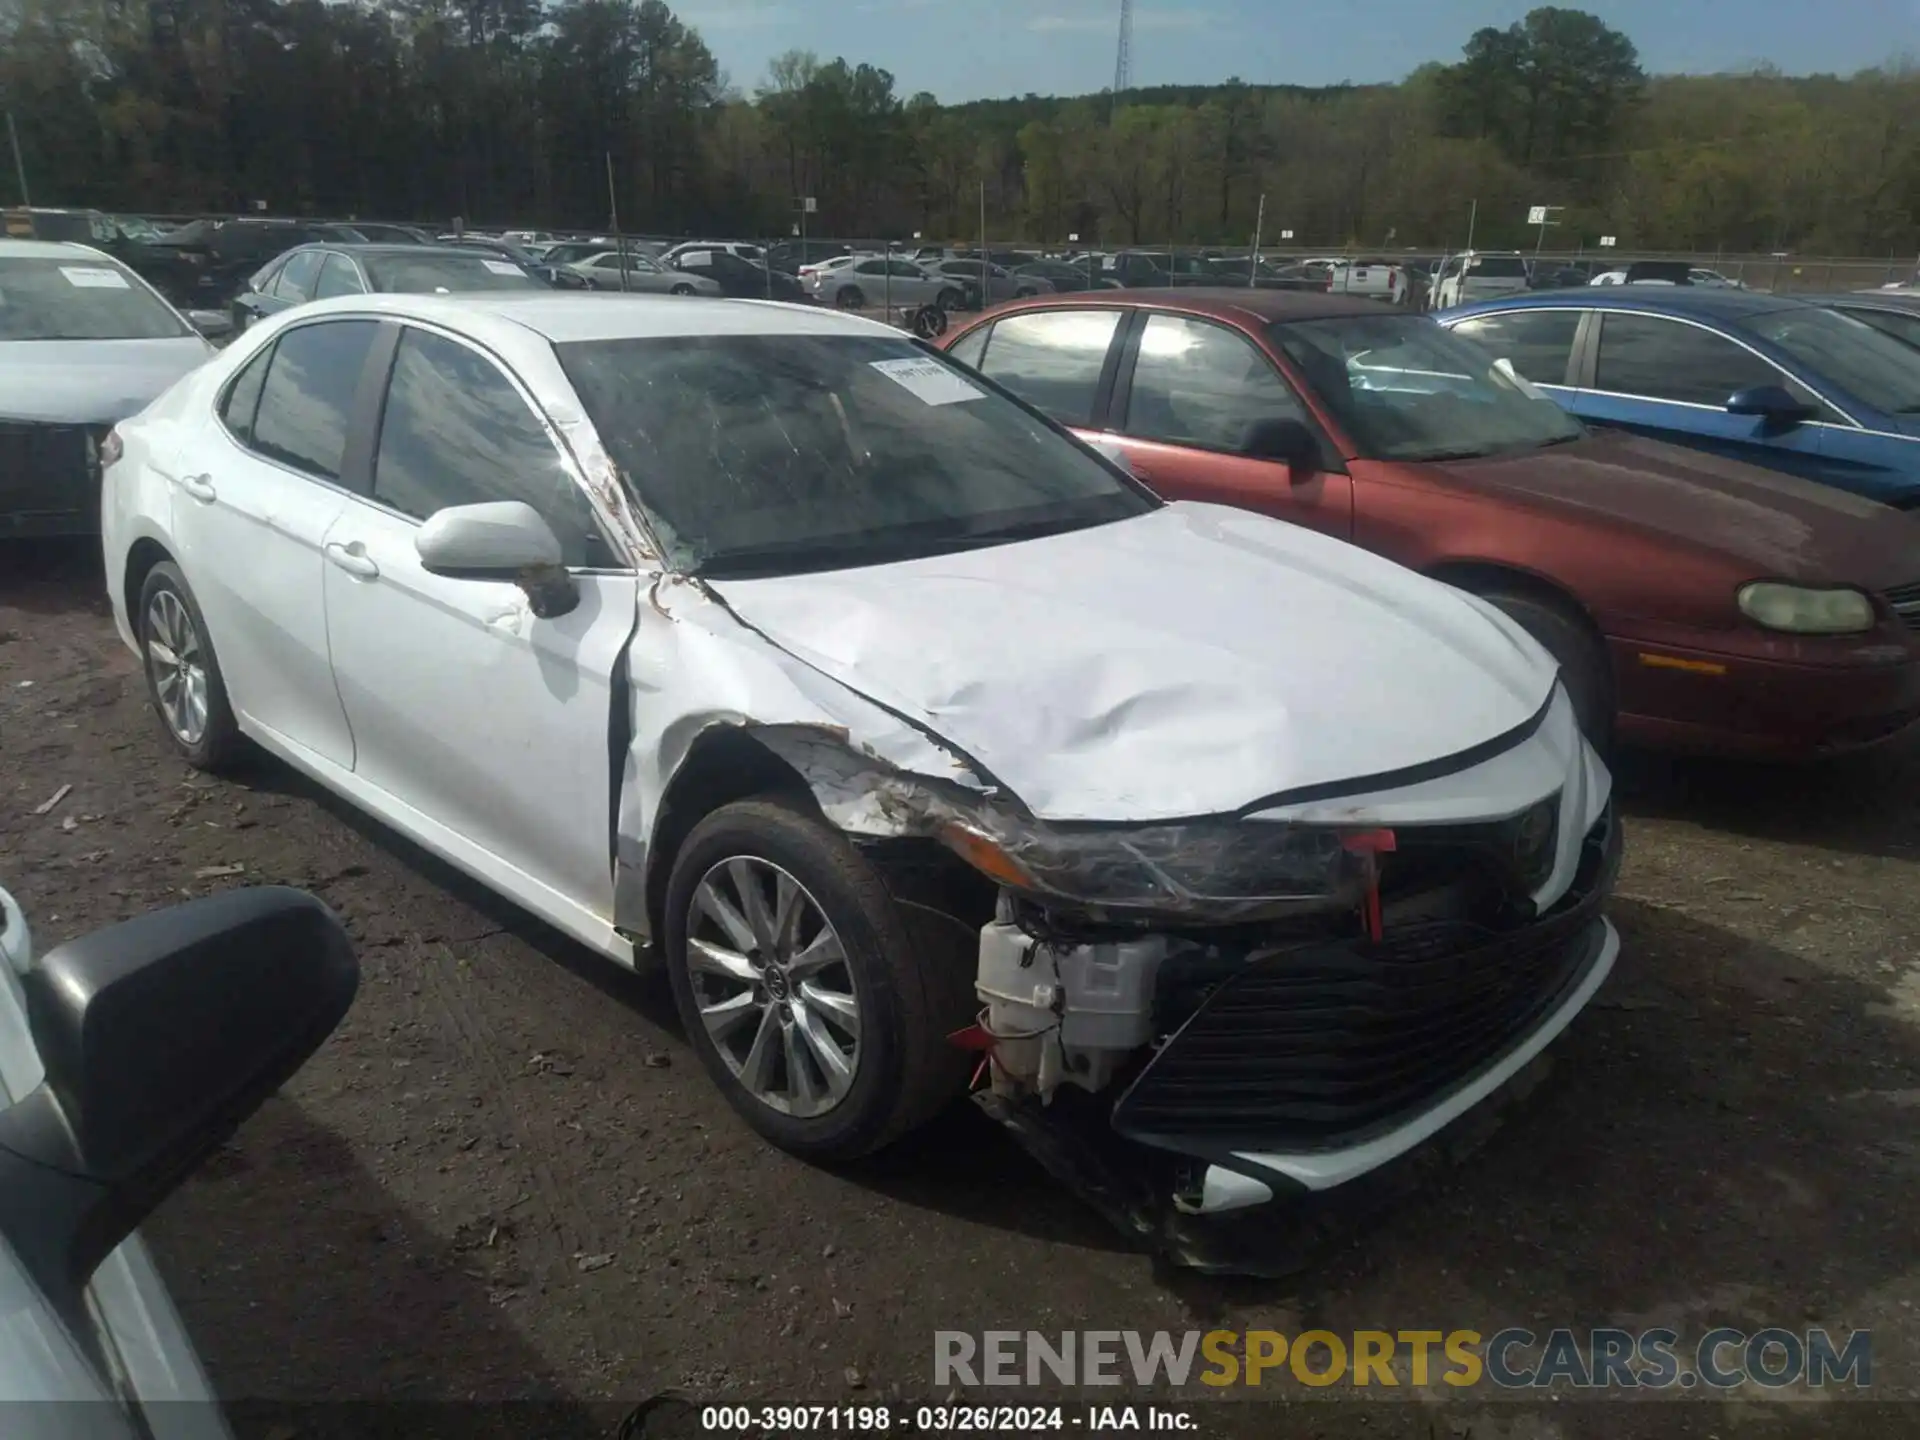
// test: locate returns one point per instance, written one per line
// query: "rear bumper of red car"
(1707, 701)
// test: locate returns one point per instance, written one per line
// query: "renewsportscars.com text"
(1605, 1359)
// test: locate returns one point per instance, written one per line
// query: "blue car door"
(1671, 378)
(1879, 464)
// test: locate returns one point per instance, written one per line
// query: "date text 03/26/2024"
(946, 1419)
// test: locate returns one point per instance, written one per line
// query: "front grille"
(46, 471)
(1905, 600)
(1320, 1045)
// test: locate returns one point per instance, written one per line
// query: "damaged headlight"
(1197, 865)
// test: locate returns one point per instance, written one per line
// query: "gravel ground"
(505, 1178)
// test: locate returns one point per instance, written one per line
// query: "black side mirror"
(158, 1037)
(1771, 403)
(1284, 439)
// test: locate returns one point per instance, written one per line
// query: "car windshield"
(84, 298)
(1855, 356)
(1498, 267)
(777, 454)
(1406, 389)
(447, 274)
(135, 228)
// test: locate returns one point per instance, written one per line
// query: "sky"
(973, 49)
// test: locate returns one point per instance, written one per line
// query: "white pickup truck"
(1376, 279)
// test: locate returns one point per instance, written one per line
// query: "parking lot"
(506, 1178)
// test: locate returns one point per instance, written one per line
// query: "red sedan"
(1693, 602)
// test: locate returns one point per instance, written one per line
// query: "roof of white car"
(48, 249)
(562, 318)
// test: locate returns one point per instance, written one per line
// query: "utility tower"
(1123, 60)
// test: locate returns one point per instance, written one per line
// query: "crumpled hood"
(1187, 662)
(90, 382)
(1780, 524)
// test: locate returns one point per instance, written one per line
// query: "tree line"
(505, 111)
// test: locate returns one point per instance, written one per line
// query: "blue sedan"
(1767, 379)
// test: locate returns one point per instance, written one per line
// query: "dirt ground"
(506, 1178)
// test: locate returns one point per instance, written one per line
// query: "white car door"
(255, 492)
(486, 722)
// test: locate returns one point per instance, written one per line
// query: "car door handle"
(354, 562)
(200, 487)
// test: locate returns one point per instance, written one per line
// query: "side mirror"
(1284, 439)
(1771, 403)
(158, 1037)
(499, 540)
(212, 324)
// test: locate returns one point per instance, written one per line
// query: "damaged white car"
(915, 738)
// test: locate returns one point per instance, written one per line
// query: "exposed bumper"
(49, 479)
(1235, 1188)
(1319, 1065)
(1698, 700)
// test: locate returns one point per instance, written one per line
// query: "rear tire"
(681, 290)
(897, 993)
(183, 674)
(1585, 668)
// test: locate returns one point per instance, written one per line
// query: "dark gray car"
(318, 272)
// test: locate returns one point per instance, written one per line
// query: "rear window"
(447, 274)
(1499, 267)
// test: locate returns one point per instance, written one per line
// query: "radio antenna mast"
(1123, 60)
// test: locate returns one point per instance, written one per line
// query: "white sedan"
(762, 642)
(877, 280)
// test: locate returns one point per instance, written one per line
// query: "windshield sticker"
(91, 277)
(931, 381)
(501, 267)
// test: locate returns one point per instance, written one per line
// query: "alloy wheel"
(179, 670)
(772, 986)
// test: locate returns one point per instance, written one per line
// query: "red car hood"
(1779, 524)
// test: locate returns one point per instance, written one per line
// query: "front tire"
(950, 299)
(183, 675)
(1584, 666)
(681, 290)
(800, 986)
(851, 299)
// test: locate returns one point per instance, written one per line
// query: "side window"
(1539, 343)
(297, 276)
(1052, 359)
(338, 277)
(1200, 384)
(456, 432)
(243, 397)
(871, 267)
(1666, 360)
(265, 279)
(903, 271)
(969, 350)
(307, 401)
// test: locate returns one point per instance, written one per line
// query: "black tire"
(1584, 666)
(950, 299)
(905, 1070)
(681, 290)
(218, 746)
(1025, 293)
(851, 299)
